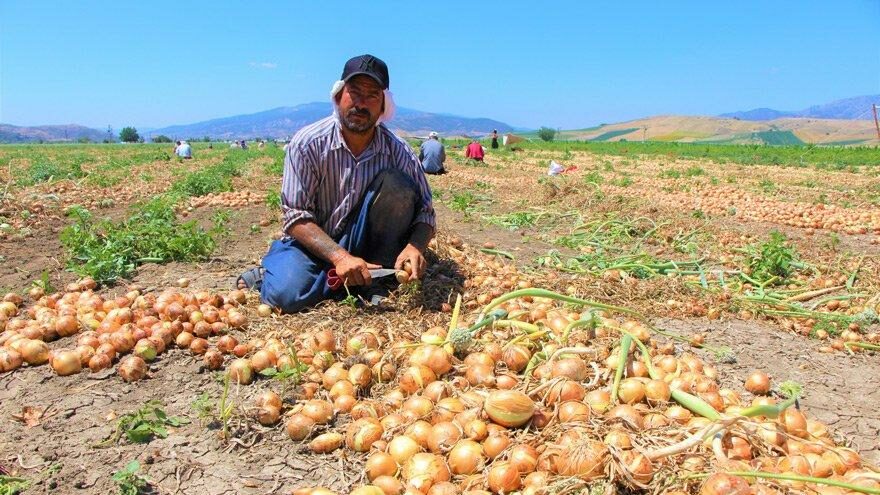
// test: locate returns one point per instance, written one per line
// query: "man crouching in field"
(354, 198)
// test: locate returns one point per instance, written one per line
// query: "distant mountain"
(282, 122)
(49, 133)
(857, 108)
(701, 129)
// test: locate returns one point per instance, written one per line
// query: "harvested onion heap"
(229, 198)
(549, 399)
(133, 329)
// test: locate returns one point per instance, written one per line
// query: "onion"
(574, 368)
(184, 339)
(432, 356)
(320, 411)
(226, 344)
(678, 414)
(240, 371)
(145, 350)
(480, 375)
(629, 415)
(340, 388)
(66, 326)
(380, 464)
(327, 442)
(241, 350)
(132, 369)
(475, 429)
(9, 360)
(262, 360)
(268, 415)
(494, 445)
(509, 408)
(504, 478)
(565, 390)
(420, 431)
(66, 363)
(638, 466)
(586, 460)
(725, 484)
(466, 457)
(443, 436)
(516, 357)
(299, 427)
(237, 320)
(424, 470)
(657, 392)
(360, 375)
(361, 434)
(99, 362)
(418, 406)
(794, 422)
(524, 457)
(388, 484)
(758, 383)
(213, 359)
(198, 346)
(416, 378)
(402, 447)
(572, 411)
(34, 352)
(631, 391)
(599, 399)
(506, 381)
(619, 439)
(448, 409)
(84, 352)
(437, 390)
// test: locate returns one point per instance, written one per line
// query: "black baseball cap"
(367, 65)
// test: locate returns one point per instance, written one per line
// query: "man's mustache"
(359, 111)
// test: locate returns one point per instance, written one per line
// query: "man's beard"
(358, 127)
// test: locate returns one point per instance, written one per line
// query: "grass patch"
(107, 251)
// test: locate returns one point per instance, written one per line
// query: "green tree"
(546, 133)
(161, 138)
(129, 135)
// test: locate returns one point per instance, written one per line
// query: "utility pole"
(876, 124)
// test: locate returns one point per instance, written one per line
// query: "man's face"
(360, 104)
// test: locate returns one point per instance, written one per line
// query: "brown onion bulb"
(132, 369)
(363, 433)
(403, 447)
(466, 457)
(299, 427)
(66, 363)
(99, 362)
(380, 464)
(725, 484)
(504, 478)
(240, 371)
(758, 383)
(327, 442)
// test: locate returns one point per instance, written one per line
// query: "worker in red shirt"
(474, 151)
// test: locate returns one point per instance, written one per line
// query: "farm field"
(656, 317)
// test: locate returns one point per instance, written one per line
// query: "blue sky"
(561, 64)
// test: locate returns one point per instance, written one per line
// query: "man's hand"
(354, 271)
(416, 260)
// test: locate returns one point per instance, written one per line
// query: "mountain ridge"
(855, 108)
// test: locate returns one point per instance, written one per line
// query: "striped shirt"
(323, 182)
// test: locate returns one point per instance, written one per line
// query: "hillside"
(282, 122)
(856, 108)
(732, 131)
(49, 133)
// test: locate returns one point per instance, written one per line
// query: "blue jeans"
(378, 230)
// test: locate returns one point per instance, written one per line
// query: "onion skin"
(509, 408)
(380, 464)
